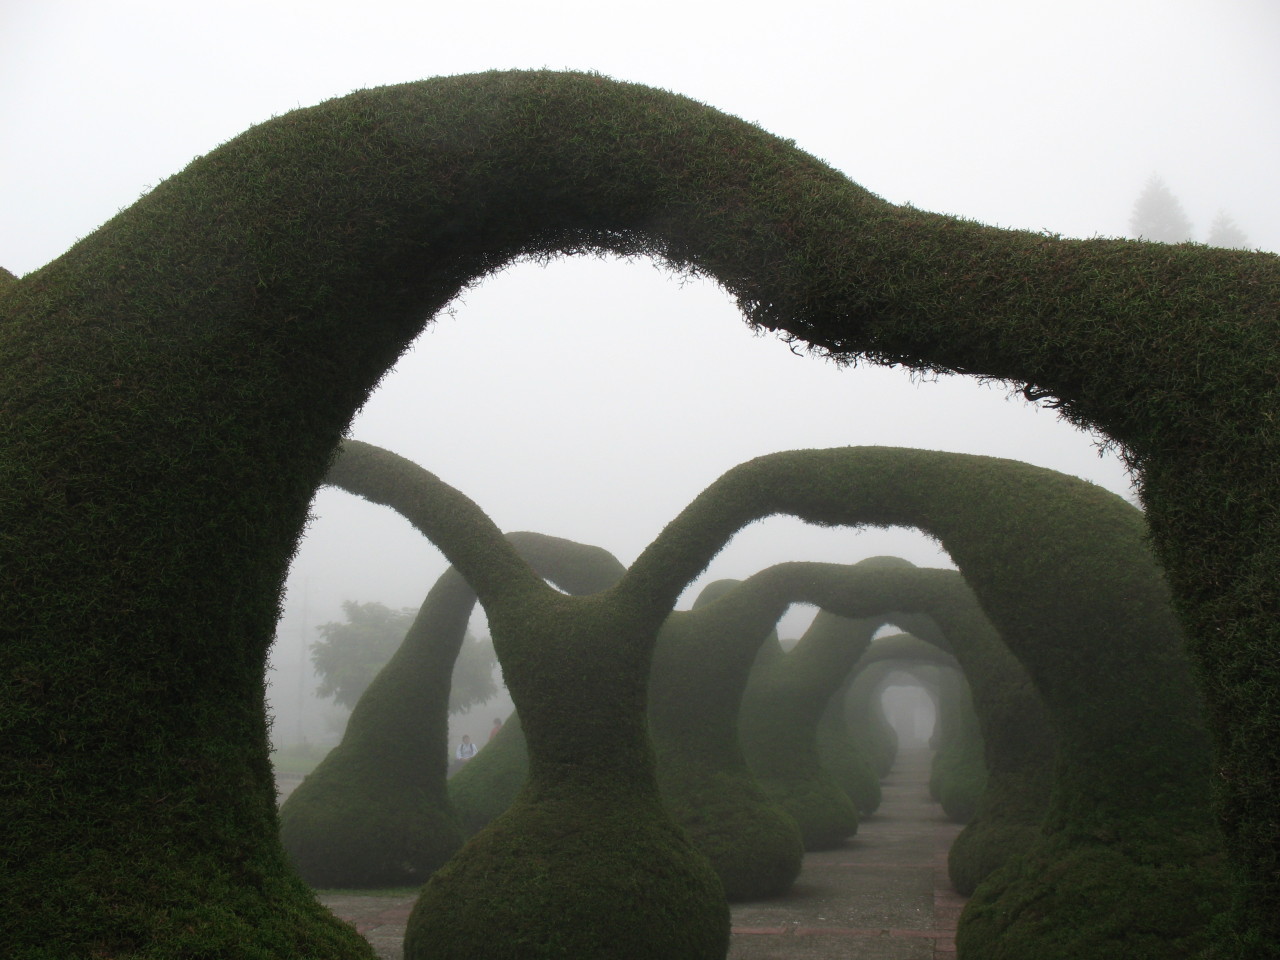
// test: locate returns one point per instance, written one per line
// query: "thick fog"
(592, 399)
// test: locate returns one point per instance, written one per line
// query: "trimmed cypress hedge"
(781, 708)
(483, 789)
(175, 384)
(995, 745)
(699, 672)
(867, 719)
(843, 755)
(959, 775)
(376, 812)
(1059, 566)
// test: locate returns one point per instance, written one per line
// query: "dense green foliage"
(1059, 566)
(784, 702)
(844, 756)
(700, 667)
(994, 760)
(175, 384)
(864, 711)
(959, 775)
(486, 785)
(996, 755)
(376, 812)
(577, 669)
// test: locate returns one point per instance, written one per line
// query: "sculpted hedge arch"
(866, 716)
(175, 384)
(376, 812)
(1058, 564)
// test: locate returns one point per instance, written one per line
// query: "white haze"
(593, 399)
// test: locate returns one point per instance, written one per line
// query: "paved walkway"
(882, 896)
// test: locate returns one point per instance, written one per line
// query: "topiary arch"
(1057, 564)
(174, 386)
(376, 811)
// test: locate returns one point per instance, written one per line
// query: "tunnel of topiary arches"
(699, 655)
(846, 756)
(958, 771)
(785, 697)
(996, 746)
(1092, 568)
(175, 384)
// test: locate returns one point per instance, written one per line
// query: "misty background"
(593, 398)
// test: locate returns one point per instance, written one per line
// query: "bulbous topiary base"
(961, 790)
(1006, 825)
(348, 836)
(984, 847)
(1160, 900)
(571, 877)
(825, 813)
(851, 769)
(754, 846)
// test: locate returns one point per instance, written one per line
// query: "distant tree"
(1224, 232)
(1157, 215)
(351, 653)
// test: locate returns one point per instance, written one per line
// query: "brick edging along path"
(884, 895)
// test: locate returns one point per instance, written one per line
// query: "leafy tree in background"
(352, 652)
(1158, 215)
(1225, 232)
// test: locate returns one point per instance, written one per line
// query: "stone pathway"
(882, 896)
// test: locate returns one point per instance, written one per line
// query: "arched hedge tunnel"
(175, 384)
(1059, 565)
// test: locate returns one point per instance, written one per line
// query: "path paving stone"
(884, 895)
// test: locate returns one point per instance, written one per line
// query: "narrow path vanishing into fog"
(884, 895)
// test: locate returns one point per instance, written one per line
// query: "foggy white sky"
(593, 399)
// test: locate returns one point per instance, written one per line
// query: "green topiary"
(1059, 566)
(174, 385)
(867, 719)
(781, 709)
(699, 672)
(960, 765)
(376, 812)
(1001, 790)
(843, 755)
(1006, 762)
(483, 789)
